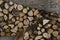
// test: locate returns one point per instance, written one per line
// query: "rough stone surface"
(48, 5)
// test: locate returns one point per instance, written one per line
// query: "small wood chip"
(30, 18)
(26, 33)
(19, 7)
(38, 16)
(5, 17)
(16, 22)
(38, 28)
(11, 25)
(53, 21)
(15, 6)
(21, 19)
(2, 23)
(1, 14)
(58, 37)
(2, 33)
(42, 39)
(58, 19)
(13, 34)
(25, 10)
(55, 33)
(1, 1)
(26, 36)
(17, 18)
(10, 16)
(0, 9)
(45, 21)
(30, 13)
(6, 6)
(33, 9)
(11, 8)
(40, 25)
(38, 37)
(42, 30)
(20, 25)
(10, 3)
(7, 30)
(46, 35)
(26, 22)
(25, 27)
(1, 19)
(39, 32)
(5, 27)
(36, 12)
(21, 14)
(55, 27)
(25, 17)
(5, 11)
(31, 39)
(50, 31)
(48, 26)
(13, 19)
(15, 29)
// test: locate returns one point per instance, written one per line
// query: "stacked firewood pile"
(31, 24)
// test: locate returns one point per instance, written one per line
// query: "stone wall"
(48, 5)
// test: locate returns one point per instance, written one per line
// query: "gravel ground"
(6, 38)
